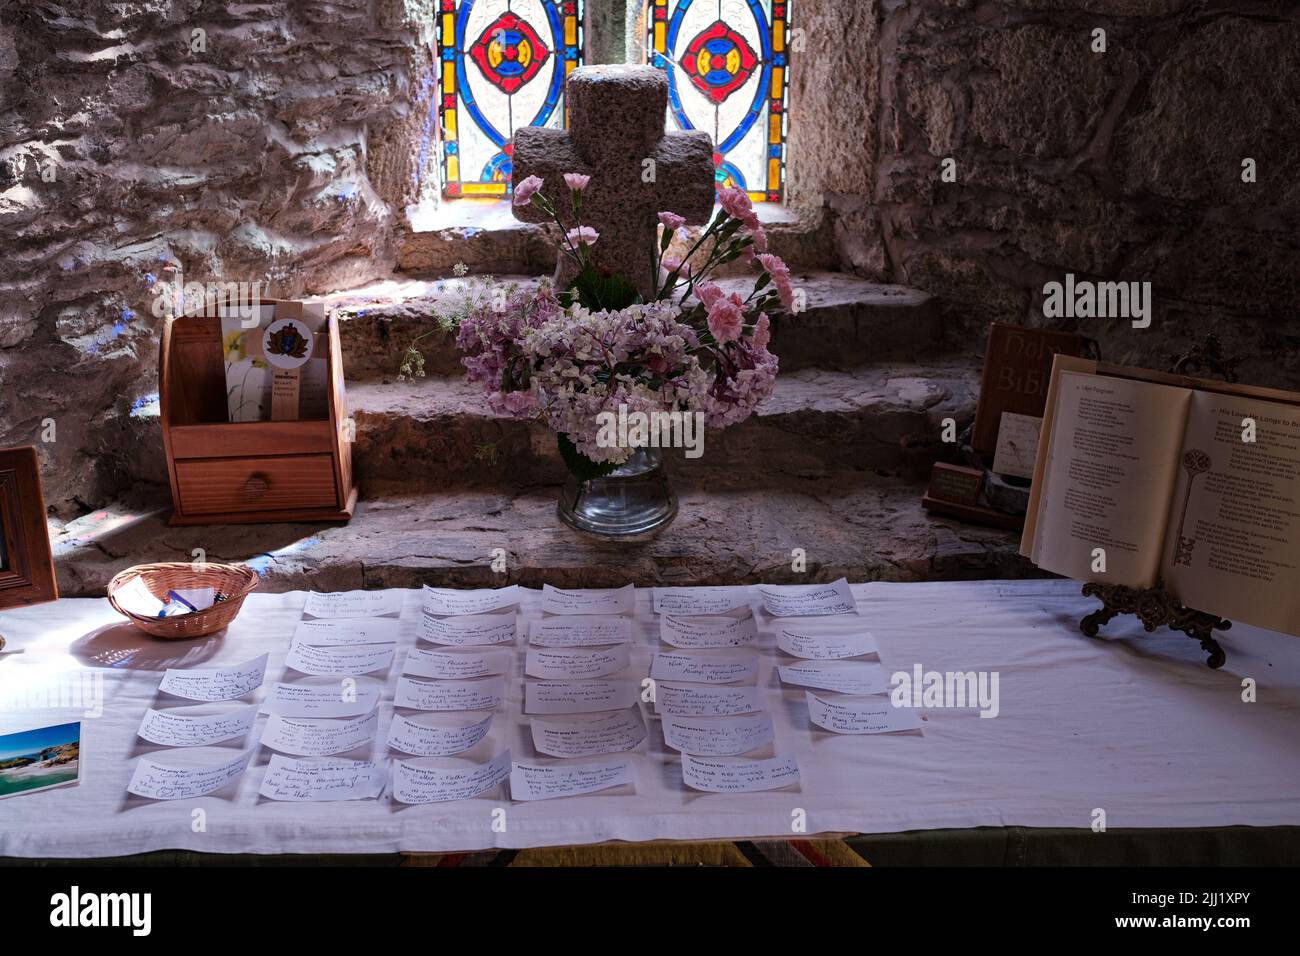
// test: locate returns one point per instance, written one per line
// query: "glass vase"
(633, 502)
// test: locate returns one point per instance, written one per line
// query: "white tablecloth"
(1134, 724)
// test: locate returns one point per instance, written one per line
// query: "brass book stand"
(1156, 606)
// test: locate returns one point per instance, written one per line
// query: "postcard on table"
(215, 683)
(803, 600)
(195, 726)
(565, 780)
(588, 600)
(416, 782)
(39, 759)
(445, 602)
(345, 631)
(353, 603)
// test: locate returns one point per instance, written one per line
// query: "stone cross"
(616, 136)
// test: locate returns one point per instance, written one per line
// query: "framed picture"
(26, 568)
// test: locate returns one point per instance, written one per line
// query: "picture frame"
(26, 564)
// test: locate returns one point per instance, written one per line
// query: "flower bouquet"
(619, 378)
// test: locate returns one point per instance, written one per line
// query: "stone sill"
(494, 215)
(486, 237)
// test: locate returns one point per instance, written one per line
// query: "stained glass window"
(726, 62)
(503, 64)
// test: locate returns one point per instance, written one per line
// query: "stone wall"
(275, 145)
(1123, 165)
(286, 145)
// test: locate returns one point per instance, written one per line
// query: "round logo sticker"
(287, 343)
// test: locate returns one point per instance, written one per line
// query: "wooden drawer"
(212, 485)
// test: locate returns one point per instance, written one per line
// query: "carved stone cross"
(616, 136)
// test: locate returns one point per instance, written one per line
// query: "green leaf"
(581, 467)
(601, 290)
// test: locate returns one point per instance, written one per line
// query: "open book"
(1159, 473)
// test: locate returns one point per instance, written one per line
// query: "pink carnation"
(672, 221)
(735, 202)
(762, 332)
(524, 190)
(582, 234)
(726, 319)
(576, 181)
(671, 263)
(760, 238)
(780, 273)
(707, 293)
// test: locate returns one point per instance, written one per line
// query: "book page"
(1110, 468)
(1233, 543)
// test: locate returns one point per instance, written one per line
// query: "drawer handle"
(256, 486)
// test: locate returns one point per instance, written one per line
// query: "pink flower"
(762, 332)
(515, 404)
(780, 273)
(672, 221)
(707, 293)
(760, 238)
(735, 202)
(576, 181)
(582, 234)
(726, 320)
(524, 190)
(671, 263)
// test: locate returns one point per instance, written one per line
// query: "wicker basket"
(232, 583)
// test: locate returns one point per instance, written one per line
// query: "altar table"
(1133, 724)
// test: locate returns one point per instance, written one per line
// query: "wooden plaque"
(26, 567)
(1017, 370)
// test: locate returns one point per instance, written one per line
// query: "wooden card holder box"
(225, 472)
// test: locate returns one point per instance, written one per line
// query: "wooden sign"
(955, 483)
(1017, 370)
(26, 568)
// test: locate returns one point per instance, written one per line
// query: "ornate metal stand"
(1154, 607)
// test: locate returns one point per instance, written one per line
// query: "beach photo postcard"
(39, 759)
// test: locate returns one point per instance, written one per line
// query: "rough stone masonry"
(616, 135)
(285, 147)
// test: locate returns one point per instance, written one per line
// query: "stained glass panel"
(502, 66)
(726, 62)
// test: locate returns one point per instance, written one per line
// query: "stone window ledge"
(486, 237)
(495, 215)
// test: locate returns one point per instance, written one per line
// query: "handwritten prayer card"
(415, 782)
(215, 683)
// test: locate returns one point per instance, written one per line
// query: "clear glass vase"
(634, 502)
